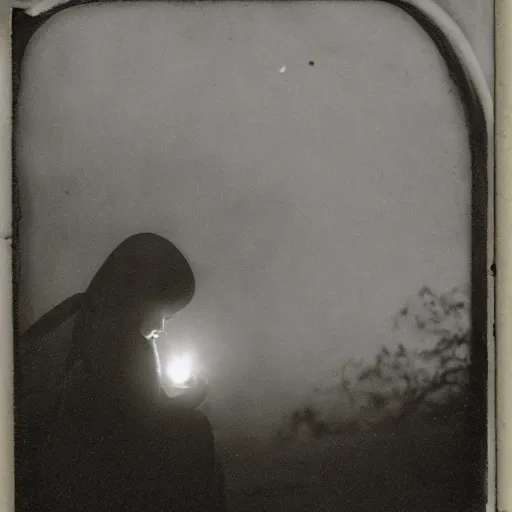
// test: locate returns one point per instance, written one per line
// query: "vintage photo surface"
(251, 256)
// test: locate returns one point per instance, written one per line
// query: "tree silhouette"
(431, 375)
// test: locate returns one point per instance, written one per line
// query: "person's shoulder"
(40, 365)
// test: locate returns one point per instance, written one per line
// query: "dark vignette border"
(24, 27)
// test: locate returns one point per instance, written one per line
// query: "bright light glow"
(179, 369)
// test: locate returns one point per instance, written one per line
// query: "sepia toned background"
(309, 159)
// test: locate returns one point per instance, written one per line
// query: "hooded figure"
(113, 441)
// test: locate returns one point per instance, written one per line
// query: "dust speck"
(282, 70)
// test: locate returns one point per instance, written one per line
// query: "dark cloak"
(111, 439)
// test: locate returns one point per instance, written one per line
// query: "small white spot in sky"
(282, 70)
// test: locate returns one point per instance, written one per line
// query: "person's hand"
(190, 397)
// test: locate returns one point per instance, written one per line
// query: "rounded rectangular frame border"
(477, 103)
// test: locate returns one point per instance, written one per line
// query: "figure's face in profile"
(178, 370)
(154, 318)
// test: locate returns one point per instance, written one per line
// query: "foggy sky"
(310, 203)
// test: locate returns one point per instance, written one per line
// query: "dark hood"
(116, 365)
(145, 268)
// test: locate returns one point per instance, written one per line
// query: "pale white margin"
(6, 333)
(35, 8)
(504, 205)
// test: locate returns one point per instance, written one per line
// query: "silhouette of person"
(113, 440)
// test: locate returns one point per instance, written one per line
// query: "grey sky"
(310, 203)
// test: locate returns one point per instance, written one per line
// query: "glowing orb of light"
(179, 369)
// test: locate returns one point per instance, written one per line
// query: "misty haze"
(311, 162)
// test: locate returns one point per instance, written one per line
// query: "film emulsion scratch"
(252, 261)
